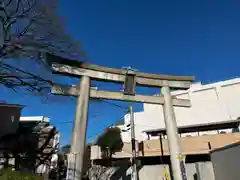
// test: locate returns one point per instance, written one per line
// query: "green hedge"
(8, 174)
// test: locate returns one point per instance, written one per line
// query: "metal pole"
(79, 129)
(134, 153)
(172, 134)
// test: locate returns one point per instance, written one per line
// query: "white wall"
(153, 172)
(214, 102)
(140, 125)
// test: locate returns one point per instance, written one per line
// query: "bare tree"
(30, 148)
(28, 30)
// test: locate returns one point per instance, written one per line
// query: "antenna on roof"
(129, 68)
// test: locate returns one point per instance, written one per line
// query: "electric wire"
(113, 104)
(110, 103)
(99, 132)
(95, 135)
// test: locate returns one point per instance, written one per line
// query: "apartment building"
(211, 103)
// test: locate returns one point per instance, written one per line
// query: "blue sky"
(199, 38)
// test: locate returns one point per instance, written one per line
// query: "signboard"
(71, 166)
(166, 174)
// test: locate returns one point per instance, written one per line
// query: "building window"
(154, 134)
(222, 132)
(236, 129)
(12, 118)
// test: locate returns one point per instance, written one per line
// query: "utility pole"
(177, 165)
(2, 34)
(79, 132)
(134, 153)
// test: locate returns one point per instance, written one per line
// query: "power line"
(71, 121)
(99, 132)
(110, 103)
(114, 104)
(94, 136)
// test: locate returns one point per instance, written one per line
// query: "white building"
(211, 103)
(37, 119)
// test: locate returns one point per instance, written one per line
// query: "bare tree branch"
(31, 27)
(13, 77)
(23, 143)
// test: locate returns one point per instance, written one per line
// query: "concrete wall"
(210, 103)
(226, 162)
(195, 171)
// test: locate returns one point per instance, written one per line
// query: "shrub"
(8, 174)
(110, 142)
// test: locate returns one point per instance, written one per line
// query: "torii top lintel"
(76, 68)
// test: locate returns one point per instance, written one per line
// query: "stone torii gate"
(130, 79)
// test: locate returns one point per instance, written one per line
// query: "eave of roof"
(11, 105)
(200, 127)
